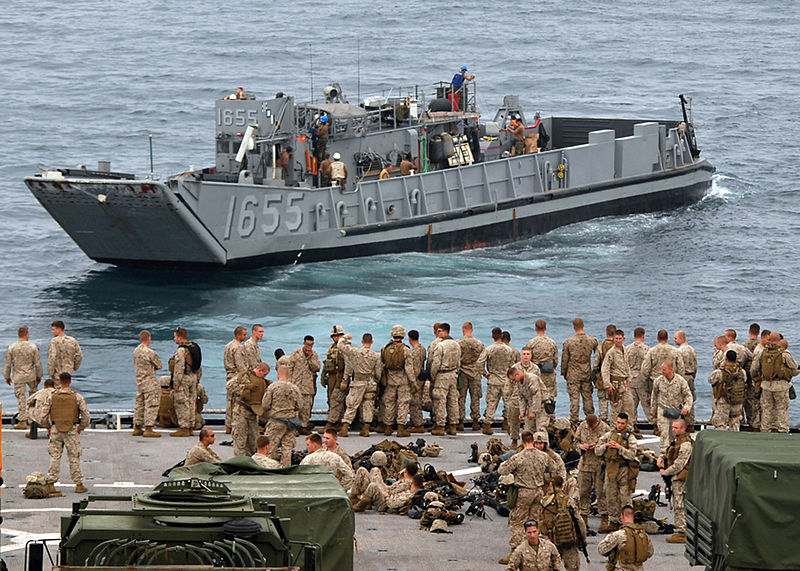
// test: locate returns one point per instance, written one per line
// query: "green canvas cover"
(310, 496)
(748, 486)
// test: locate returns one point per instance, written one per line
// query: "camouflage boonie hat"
(431, 450)
(378, 458)
(439, 526)
(337, 330)
(398, 331)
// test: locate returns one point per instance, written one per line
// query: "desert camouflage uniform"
(616, 372)
(617, 492)
(64, 355)
(235, 362)
(427, 389)
(342, 454)
(682, 457)
(590, 468)
(618, 539)
(303, 374)
(184, 385)
(544, 350)
(201, 453)
(471, 377)
(200, 402)
(528, 467)
(668, 393)
(69, 439)
(576, 364)
(603, 401)
(634, 354)
(23, 357)
(752, 403)
(445, 361)
(148, 390)
(568, 553)
(725, 415)
(418, 355)
(244, 422)
(265, 461)
(252, 353)
(281, 402)
(381, 503)
(744, 357)
(363, 479)
(775, 394)
(531, 392)
(341, 469)
(333, 381)
(397, 393)
(366, 367)
(689, 356)
(651, 364)
(497, 358)
(36, 405)
(543, 558)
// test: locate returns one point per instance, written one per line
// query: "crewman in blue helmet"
(457, 87)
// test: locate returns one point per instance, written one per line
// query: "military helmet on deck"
(378, 458)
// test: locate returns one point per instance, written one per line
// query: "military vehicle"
(268, 201)
(741, 501)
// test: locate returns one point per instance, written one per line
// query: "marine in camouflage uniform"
(22, 357)
(528, 397)
(201, 452)
(603, 400)
(655, 357)
(576, 365)
(553, 504)
(261, 457)
(281, 402)
(752, 406)
(247, 391)
(634, 354)
(252, 352)
(775, 385)
(445, 361)
(331, 377)
(544, 352)
(66, 414)
(541, 555)
(528, 468)
(470, 374)
(675, 464)
(497, 358)
(618, 447)
(319, 456)
(689, 356)
(184, 385)
(616, 374)
(148, 389)
(627, 547)
(235, 362)
(590, 466)
(366, 368)
(670, 390)
(64, 354)
(727, 414)
(304, 364)
(399, 376)
(37, 401)
(418, 355)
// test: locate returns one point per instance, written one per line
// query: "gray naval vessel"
(468, 188)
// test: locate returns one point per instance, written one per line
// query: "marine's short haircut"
(332, 431)
(527, 436)
(58, 323)
(315, 438)
(619, 332)
(540, 325)
(638, 332)
(262, 441)
(239, 330)
(445, 327)
(577, 323)
(730, 333)
(754, 328)
(253, 329)
(467, 325)
(144, 335)
(65, 378)
(662, 335)
(623, 415)
(412, 469)
(558, 481)
(366, 338)
(50, 382)
(610, 329)
(506, 336)
(182, 333)
(418, 481)
(765, 333)
(205, 433)
(497, 333)
(308, 338)
(22, 331)
(413, 335)
(730, 355)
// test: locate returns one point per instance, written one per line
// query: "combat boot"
(504, 560)
(33, 434)
(388, 430)
(514, 443)
(380, 427)
(81, 489)
(227, 430)
(605, 527)
(150, 433)
(402, 432)
(487, 428)
(324, 428)
(137, 430)
(21, 425)
(452, 429)
(585, 521)
(343, 429)
(364, 430)
(437, 430)
(476, 425)
(51, 491)
(181, 432)
(677, 537)
(460, 426)
(304, 431)
(505, 425)
(417, 429)
(362, 505)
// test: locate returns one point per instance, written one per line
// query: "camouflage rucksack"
(562, 527)
(36, 487)
(735, 385)
(772, 367)
(393, 356)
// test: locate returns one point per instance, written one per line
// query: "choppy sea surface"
(87, 81)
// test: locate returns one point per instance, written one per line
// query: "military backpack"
(64, 411)
(393, 356)
(636, 545)
(734, 384)
(562, 526)
(772, 366)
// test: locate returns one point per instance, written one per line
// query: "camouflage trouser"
(586, 480)
(576, 390)
(445, 398)
(640, 394)
(549, 380)
(603, 404)
(752, 408)
(336, 404)
(281, 441)
(665, 430)
(624, 404)
(304, 412)
(775, 410)
(415, 407)
(473, 386)
(512, 407)
(22, 397)
(493, 395)
(677, 503)
(617, 493)
(145, 411)
(375, 494)
(726, 415)
(529, 506)
(228, 405)
(244, 430)
(72, 442)
(185, 398)
(361, 397)
(363, 478)
(689, 418)
(396, 401)
(570, 558)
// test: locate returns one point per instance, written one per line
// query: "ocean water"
(87, 81)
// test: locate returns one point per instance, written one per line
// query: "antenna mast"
(358, 58)
(311, 70)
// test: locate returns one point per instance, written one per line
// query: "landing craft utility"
(405, 172)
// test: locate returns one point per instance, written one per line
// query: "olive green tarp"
(748, 485)
(310, 496)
